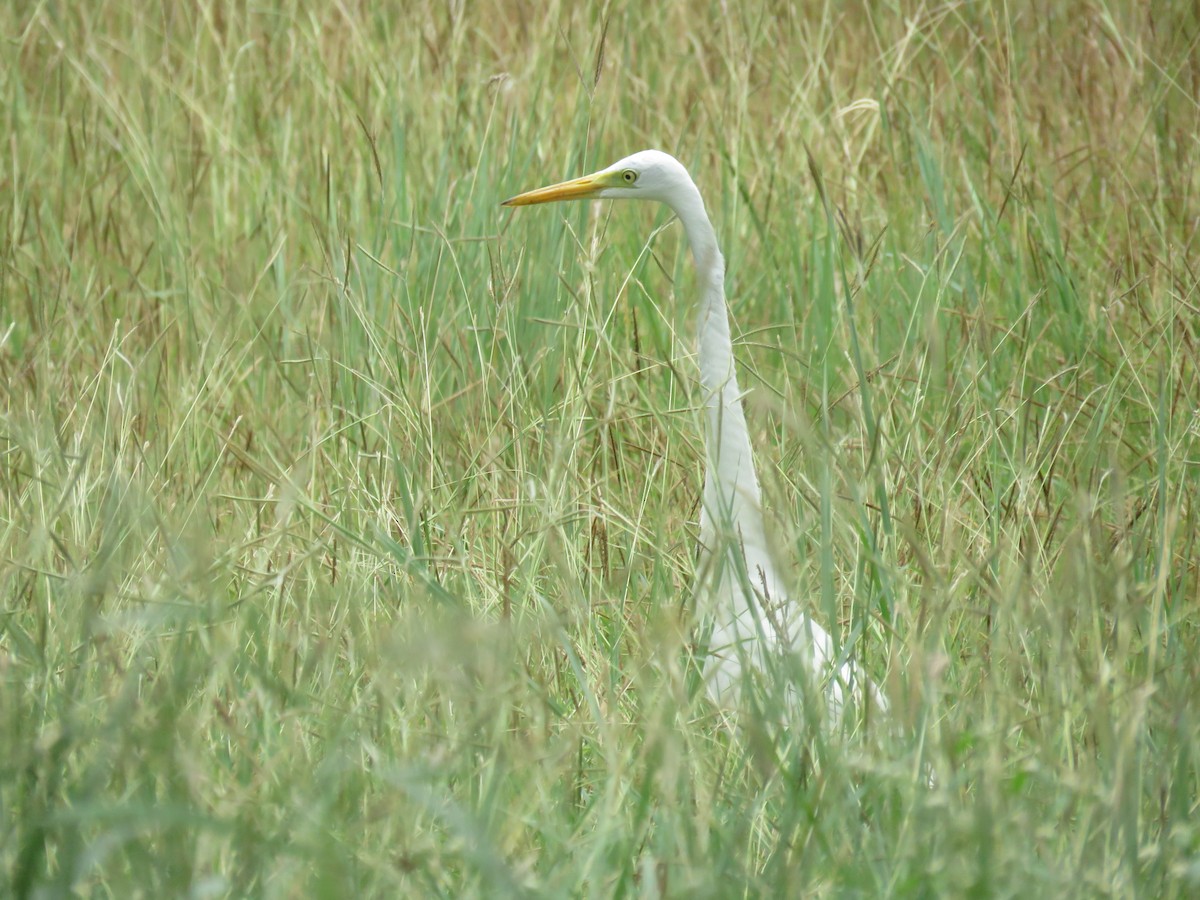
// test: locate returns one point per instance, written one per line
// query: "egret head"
(647, 175)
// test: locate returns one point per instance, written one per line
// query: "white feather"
(754, 626)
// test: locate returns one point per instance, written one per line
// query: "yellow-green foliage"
(347, 518)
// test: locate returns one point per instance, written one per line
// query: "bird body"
(753, 623)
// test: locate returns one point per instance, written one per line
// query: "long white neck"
(732, 512)
(743, 593)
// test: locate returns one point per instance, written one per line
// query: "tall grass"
(348, 519)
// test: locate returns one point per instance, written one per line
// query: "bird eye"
(629, 175)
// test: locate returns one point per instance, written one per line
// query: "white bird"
(753, 623)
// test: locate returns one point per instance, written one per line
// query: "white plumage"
(754, 623)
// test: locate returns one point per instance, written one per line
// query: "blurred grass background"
(348, 519)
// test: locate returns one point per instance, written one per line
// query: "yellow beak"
(576, 189)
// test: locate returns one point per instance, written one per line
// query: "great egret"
(753, 622)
